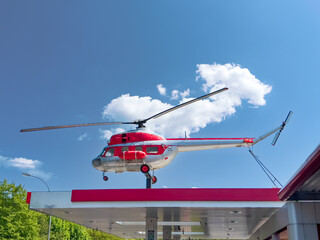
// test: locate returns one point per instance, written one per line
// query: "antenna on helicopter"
(139, 123)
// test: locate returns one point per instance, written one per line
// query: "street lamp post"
(29, 175)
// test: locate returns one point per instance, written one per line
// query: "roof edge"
(307, 169)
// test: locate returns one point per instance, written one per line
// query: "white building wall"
(300, 218)
(277, 221)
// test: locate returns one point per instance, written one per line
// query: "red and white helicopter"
(141, 150)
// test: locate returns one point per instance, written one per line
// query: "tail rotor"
(275, 139)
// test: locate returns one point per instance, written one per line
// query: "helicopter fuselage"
(128, 151)
(130, 157)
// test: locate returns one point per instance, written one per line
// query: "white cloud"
(186, 93)
(82, 137)
(32, 166)
(106, 134)
(128, 108)
(24, 163)
(39, 173)
(175, 94)
(161, 89)
(243, 86)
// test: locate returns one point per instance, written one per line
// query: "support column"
(302, 221)
(151, 228)
(167, 232)
(176, 229)
(148, 182)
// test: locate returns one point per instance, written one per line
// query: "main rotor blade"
(73, 125)
(138, 122)
(185, 104)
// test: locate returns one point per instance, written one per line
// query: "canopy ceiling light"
(159, 223)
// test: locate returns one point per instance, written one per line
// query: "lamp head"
(26, 174)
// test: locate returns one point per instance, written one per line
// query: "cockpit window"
(123, 149)
(152, 149)
(110, 152)
(138, 148)
(103, 152)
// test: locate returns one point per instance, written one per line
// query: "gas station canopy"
(194, 213)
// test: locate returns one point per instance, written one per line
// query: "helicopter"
(140, 150)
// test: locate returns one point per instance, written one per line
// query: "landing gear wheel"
(144, 168)
(154, 179)
(105, 178)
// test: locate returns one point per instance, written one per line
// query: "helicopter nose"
(96, 162)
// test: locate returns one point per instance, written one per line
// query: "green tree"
(16, 221)
(64, 230)
(98, 235)
(43, 222)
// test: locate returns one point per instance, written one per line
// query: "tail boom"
(194, 144)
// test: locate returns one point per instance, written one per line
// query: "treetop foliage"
(18, 222)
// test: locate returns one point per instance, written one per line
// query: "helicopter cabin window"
(138, 148)
(152, 149)
(123, 149)
(110, 152)
(103, 152)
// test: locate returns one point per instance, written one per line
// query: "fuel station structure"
(292, 212)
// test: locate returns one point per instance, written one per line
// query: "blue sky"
(62, 62)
